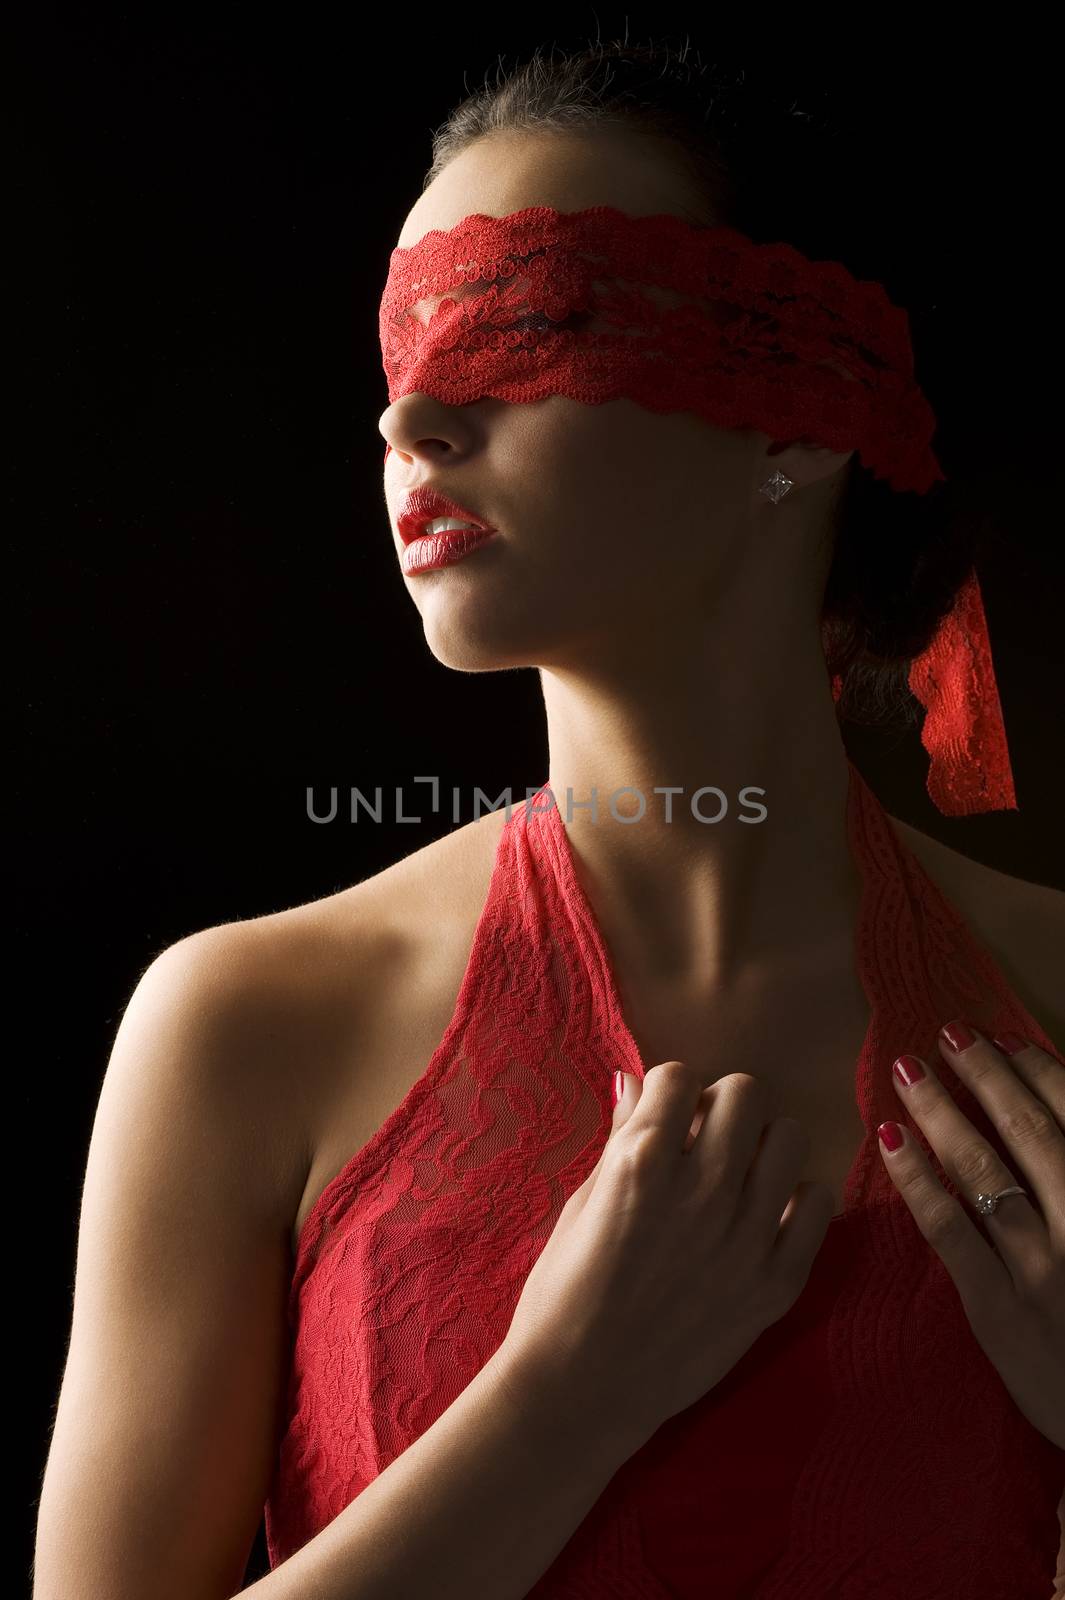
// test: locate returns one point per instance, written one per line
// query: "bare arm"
(163, 1443)
(480, 1504)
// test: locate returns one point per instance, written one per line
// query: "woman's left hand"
(1013, 1289)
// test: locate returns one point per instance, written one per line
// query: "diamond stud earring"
(776, 487)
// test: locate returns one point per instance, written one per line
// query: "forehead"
(506, 172)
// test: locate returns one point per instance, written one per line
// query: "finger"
(968, 1158)
(979, 1274)
(1029, 1129)
(1044, 1075)
(669, 1099)
(699, 1118)
(627, 1087)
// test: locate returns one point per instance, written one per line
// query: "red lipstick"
(425, 505)
(433, 550)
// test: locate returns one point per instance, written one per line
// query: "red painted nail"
(958, 1034)
(908, 1070)
(890, 1135)
(1009, 1043)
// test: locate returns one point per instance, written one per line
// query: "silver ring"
(987, 1203)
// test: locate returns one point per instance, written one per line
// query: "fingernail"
(890, 1135)
(1009, 1043)
(958, 1034)
(619, 1086)
(909, 1071)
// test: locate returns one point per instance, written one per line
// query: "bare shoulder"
(291, 997)
(307, 963)
(1021, 923)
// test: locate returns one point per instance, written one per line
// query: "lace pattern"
(963, 729)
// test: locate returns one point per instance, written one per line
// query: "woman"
(798, 1359)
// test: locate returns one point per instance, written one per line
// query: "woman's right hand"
(688, 1238)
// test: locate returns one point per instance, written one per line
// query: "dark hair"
(759, 162)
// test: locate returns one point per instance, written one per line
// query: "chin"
(483, 644)
(463, 654)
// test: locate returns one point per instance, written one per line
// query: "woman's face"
(615, 523)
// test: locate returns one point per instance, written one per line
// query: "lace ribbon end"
(963, 732)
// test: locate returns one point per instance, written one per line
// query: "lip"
(421, 506)
(436, 550)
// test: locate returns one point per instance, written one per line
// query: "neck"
(717, 906)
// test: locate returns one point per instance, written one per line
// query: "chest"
(803, 1041)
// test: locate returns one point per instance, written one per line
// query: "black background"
(209, 612)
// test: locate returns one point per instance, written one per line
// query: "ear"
(804, 462)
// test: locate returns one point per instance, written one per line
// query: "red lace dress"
(863, 1447)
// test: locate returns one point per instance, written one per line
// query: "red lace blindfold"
(597, 305)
